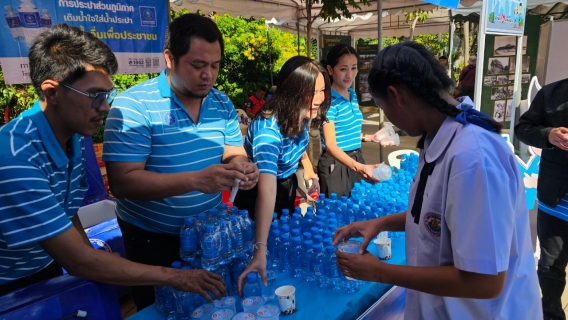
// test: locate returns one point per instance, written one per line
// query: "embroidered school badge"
(432, 223)
(169, 119)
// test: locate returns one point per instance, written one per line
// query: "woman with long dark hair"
(276, 141)
(468, 244)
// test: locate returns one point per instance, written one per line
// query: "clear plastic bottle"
(247, 230)
(236, 236)
(284, 252)
(333, 273)
(188, 240)
(274, 241)
(13, 21)
(286, 216)
(30, 20)
(225, 273)
(319, 267)
(252, 287)
(307, 261)
(184, 301)
(210, 245)
(45, 20)
(309, 221)
(285, 229)
(226, 249)
(295, 223)
(296, 257)
(239, 266)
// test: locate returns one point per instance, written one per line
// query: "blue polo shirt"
(147, 123)
(272, 152)
(41, 188)
(348, 120)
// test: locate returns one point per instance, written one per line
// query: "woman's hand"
(257, 264)
(359, 266)
(366, 172)
(366, 229)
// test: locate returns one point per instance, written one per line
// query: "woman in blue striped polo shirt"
(341, 163)
(276, 141)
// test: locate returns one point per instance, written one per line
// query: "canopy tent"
(291, 15)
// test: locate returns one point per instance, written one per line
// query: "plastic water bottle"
(296, 257)
(188, 240)
(328, 205)
(295, 233)
(285, 229)
(283, 221)
(30, 20)
(307, 261)
(274, 241)
(236, 236)
(247, 230)
(224, 272)
(333, 273)
(320, 202)
(284, 252)
(212, 218)
(239, 266)
(295, 223)
(184, 301)
(319, 267)
(383, 172)
(226, 249)
(14, 23)
(286, 214)
(317, 240)
(252, 287)
(210, 245)
(45, 20)
(309, 221)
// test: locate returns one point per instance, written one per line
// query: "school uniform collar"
(49, 140)
(435, 147)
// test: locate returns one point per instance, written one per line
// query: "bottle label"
(30, 19)
(13, 22)
(46, 23)
(318, 269)
(188, 243)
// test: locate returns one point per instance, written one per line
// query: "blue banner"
(451, 4)
(134, 30)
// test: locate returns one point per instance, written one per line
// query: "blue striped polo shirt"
(348, 120)
(271, 151)
(560, 211)
(41, 188)
(147, 123)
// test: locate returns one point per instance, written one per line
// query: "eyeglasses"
(98, 97)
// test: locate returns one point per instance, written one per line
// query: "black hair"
(443, 57)
(295, 91)
(260, 88)
(63, 53)
(410, 64)
(338, 51)
(183, 28)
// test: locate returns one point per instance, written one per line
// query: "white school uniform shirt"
(474, 216)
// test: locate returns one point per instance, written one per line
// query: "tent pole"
(516, 87)
(450, 45)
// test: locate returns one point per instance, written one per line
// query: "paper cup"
(286, 299)
(383, 249)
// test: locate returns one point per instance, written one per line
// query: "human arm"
(248, 108)
(370, 229)
(237, 154)
(79, 226)
(308, 168)
(263, 214)
(364, 170)
(446, 281)
(80, 260)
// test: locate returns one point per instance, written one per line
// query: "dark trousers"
(285, 197)
(51, 271)
(334, 177)
(149, 248)
(553, 236)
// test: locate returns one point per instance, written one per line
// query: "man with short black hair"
(172, 144)
(42, 173)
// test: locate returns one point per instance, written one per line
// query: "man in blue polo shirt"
(172, 144)
(42, 173)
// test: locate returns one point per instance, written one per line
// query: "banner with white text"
(133, 29)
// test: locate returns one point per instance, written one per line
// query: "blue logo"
(148, 16)
(169, 119)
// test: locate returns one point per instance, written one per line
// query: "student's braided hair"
(412, 65)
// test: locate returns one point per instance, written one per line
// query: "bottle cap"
(209, 228)
(189, 221)
(251, 277)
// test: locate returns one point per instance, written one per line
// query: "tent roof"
(286, 13)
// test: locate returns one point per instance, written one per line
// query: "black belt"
(350, 152)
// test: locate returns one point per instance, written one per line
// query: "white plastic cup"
(222, 314)
(387, 136)
(268, 312)
(244, 316)
(349, 246)
(383, 246)
(286, 299)
(251, 304)
(383, 172)
(226, 303)
(203, 312)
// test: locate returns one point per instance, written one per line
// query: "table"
(315, 303)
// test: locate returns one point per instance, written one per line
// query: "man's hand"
(201, 281)
(252, 174)
(559, 138)
(219, 177)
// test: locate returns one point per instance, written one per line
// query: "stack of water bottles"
(221, 240)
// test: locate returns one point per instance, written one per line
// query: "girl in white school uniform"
(468, 249)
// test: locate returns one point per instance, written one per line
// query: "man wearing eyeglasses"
(171, 145)
(42, 174)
